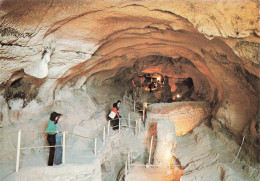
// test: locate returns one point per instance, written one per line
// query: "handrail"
(104, 132)
(80, 135)
(3, 134)
(155, 165)
(33, 147)
(69, 146)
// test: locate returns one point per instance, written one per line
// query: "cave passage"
(153, 79)
(191, 63)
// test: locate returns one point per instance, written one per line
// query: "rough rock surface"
(185, 115)
(166, 139)
(68, 172)
(76, 57)
(86, 41)
(204, 157)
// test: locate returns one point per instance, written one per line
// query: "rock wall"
(185, 115)
(54, 45)
(69, 172)
(204, 156)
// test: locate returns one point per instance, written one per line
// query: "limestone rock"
(203, 157)
(185, 115)
(166, 141)
(40, 70)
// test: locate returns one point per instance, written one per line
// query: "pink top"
(115, 111)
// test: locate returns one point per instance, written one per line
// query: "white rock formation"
(185, 115)
(40, 69)
(16, 104)
(165, 143)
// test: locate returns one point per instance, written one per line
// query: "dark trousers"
(52, 142)
(116, 123)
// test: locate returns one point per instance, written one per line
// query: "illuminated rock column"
(166, 141)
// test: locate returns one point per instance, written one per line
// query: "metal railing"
(105, 133)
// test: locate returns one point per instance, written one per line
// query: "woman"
(51, 130)
(118, 104)
(58, 153)
(117, 118)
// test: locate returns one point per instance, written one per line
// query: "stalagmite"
(166, 141)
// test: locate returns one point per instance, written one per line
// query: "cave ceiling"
(216, 43)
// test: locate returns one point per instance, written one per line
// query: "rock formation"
(73, 56)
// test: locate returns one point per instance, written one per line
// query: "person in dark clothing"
(58, 136)
(151, 86)
(118, 104)
(51, 130)
(117, 117)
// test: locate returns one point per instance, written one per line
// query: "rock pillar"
(166, 141)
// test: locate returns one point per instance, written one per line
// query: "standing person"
(118, 104)
(58, 153)
(51, 130)
(117, 117)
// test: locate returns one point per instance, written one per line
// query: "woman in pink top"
(117, 118)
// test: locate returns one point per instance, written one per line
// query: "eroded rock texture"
(212, 160)
(51, 50)
(91, 42)
(185, 115)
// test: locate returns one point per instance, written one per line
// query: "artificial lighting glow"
(158, 79)
(178, 95)
(145, 105)
(146, 89)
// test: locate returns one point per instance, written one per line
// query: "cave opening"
(152, 79)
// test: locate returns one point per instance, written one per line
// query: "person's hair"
(115, 105)
(58, 115)
(53, 116)
(118, 101)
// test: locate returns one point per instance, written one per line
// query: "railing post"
(136, 125)
(128, 159)
(95, 150)
(119, 125)
(129, 118)
(104, 135)
(18, 150)
(108, 127)
(150, 151)
(125, 171)
(63, 147)
(143, 114)
(139, 125)
(131, 155)
(134, 105)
